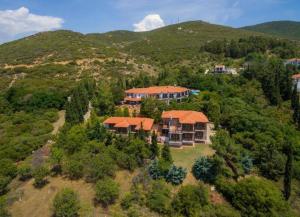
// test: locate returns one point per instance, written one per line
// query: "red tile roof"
(186, 117)
(124, 122)
(296, 76)
(157, 90)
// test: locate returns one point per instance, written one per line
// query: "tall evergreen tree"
(294, 97)
(296, 110)
(288, 172)
(154, 146)
(166, 154)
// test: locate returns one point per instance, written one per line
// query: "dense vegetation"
(285, 29)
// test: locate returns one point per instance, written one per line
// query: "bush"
(4, 181)
(40, 175)
(159, 197)
(8, 168)
(3, 209)
(107, 191)
(176, 175)
(73, 168)
(189, 200)
(25, 173)
(206, 169)
(66, 203)
(259, 197)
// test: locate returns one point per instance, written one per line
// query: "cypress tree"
(296, 110)
(294, 97)
(288, 172)
(154, 146)
(166, 154)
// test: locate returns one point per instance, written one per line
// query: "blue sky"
(23, 17)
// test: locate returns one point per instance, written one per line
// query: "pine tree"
(288, 172)
(154, 146)
(296, 110)
(294, 97)
(166, 154)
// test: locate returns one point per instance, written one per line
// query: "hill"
(181, 40)
(285, 29)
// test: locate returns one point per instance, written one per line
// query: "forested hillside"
(253, 161)
(284, 29)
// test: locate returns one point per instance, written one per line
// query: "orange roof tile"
(124, 122)
(186, 117)
(293, 59)
(296, 76)
(157, 90)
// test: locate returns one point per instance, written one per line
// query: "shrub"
(40, 175)
(154, 170)
(176, 175)
(189, 200)
(4, 181)
(8, 168)
(73, 168)
(107, 191)
(25, 173)
(159, 197)
(66, 203)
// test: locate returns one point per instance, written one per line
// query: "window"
(187, 127)
(199, 135)
(187, 137)
(200, 126)
(175, 137)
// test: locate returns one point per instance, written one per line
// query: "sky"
(19, 18)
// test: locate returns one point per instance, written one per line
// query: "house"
(220, 69)
(296, 80)
(294, 62)
(126, 125)
(165, 93)
(184, 128)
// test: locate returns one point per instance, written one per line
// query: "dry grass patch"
(33, 202)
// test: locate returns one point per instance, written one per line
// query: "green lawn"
(186, 156)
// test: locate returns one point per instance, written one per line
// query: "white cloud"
(21, 21)
(150, 22)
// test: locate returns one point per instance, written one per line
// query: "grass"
(186, 156)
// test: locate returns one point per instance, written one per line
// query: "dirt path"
(59, 123)
(87, 116)
(40, 155)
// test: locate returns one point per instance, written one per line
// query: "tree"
(73, 167)
(107, 191)
(159, 197)
(152, 108)
(100, 166)
(288, 174)
(207, 168)
(166, 154)
(295, 98)
(259, 197)
(154, 170)
(247, 163)
(56, 159)
(154, 146)
(176, 175)
(189, 200)
(39, 175)
(66, 203)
